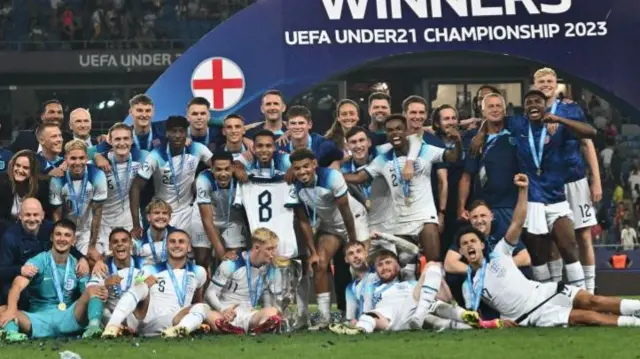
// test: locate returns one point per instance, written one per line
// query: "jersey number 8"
(264, 210)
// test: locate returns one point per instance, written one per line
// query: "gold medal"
(367, 204)
(314, 230)
(62, 307)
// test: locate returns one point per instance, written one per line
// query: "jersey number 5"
(161, 283)
(264, 210)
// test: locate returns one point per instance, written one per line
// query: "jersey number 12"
(264, 209)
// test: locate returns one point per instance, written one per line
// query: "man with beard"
(391, 305)
(58, 299)
(172, 165)
(413, 200)
(272, 107)
(579, 195)
(24, 240)
(379, 110)
(168, 299)
(79, 195)
(52, 112)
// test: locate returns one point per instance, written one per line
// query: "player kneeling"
(238, 284)
(53, 290)
(122, 268)
(496, 280)
(395, 304)
(161, 304)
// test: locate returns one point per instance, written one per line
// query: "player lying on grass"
(58, 301)
(395, 305)
(122, 268)
(496, 280)
(161, 304)
(237, 286)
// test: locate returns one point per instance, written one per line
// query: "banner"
(86, 61)
(292, 45)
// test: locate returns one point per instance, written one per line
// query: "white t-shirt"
(157, 165)
(606, 155)
(506, 289)
(421, 203)
(230, 282)
(114, 294)
(165, 291)
(269, 203)
(95, 192)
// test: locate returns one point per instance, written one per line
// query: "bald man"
(23, 240)
(80, 124)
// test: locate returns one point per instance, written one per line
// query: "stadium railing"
(55, 45)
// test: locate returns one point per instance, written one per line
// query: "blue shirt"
(575, 169)
(547, 188)
(436, 141)
(42, 291)
(454, 173)
(377, 138)
(493, 170)
(46, 166)
(325, 150)
(5, 157)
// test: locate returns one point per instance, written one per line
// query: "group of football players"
(193, 224)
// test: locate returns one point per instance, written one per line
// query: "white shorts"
(243, 318)
(399, 315)
(361, 224)
(554, 313)
(579, 198)
(541, 217)
(82, 243)
(182, 220)
(233, 235)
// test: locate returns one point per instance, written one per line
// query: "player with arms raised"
(496, 280)
(237, 286)
(162, 303)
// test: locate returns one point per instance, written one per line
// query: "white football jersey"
(115, 294)
(269, 203)
(394, 294)
(165, 293)
(359, 295)
(231, 283)
(505, 289)
(421, 202)
(329, 185)
(151, 251)
(116, 211)
(208, 192)
(157, 165)
(95, 192)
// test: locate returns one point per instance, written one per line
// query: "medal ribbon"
(56, 280)
(152, 245)
(181, 292)
(78, 202)
(476, 291)
(174, 174)
(253, 294)
(121, 194)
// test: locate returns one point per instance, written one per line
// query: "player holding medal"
(57, 297)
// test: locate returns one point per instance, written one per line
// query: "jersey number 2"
(264, 210)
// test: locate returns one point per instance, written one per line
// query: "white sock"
(196, 316)
(408, 272)
(438, 323)
(429, 290)
(448, 311)
(590, 278)
(366, 323)
(624, 321)
(575, 275)
(128, 303)
(302, 296)
(630, 307)
(555, 270)
(541, 273)
(324, 305)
